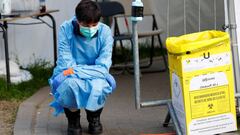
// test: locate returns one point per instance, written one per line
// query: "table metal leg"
(174, 118)
(54, 36)
(167, 120)
(5, 37)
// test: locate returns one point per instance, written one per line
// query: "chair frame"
(141, 35)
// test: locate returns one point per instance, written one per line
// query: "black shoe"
(95, 126)
(74, 131)
(74, 127)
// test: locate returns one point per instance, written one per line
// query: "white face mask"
(88, 32)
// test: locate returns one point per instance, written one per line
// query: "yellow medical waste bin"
(202, 82)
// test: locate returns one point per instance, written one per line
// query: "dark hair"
(88, 11)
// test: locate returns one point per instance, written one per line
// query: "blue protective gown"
(90, 59)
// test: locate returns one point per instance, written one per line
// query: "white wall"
(27, 43)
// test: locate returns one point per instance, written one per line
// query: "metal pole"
(136, 61)
(234, 45)
(136, 65)
(237, 95)
(5, 36)
(155, 103)
(174, 118)
(226, 16)
(54, 36)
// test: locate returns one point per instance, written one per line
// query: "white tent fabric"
(237, 13)
(177, 17)
(236, 41)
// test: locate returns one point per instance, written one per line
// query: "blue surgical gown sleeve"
(105, 57)
(65, 58)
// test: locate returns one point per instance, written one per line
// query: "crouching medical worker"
(81, 79)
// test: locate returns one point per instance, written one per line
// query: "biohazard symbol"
(210, 106)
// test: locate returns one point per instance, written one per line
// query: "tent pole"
(233, 34)
(136, 63)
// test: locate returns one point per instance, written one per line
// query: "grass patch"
(40, 72)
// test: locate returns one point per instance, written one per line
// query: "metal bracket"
(229, 26)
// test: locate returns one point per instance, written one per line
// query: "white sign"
(213, 124)
(206, 81)
(200, 63)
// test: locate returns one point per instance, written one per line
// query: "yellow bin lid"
(195, 41)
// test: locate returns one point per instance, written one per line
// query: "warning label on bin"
(209, 102)
(208, 94)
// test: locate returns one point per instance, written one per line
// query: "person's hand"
(58, 80)
(111, 81)
(68, 72)
(61, 77)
